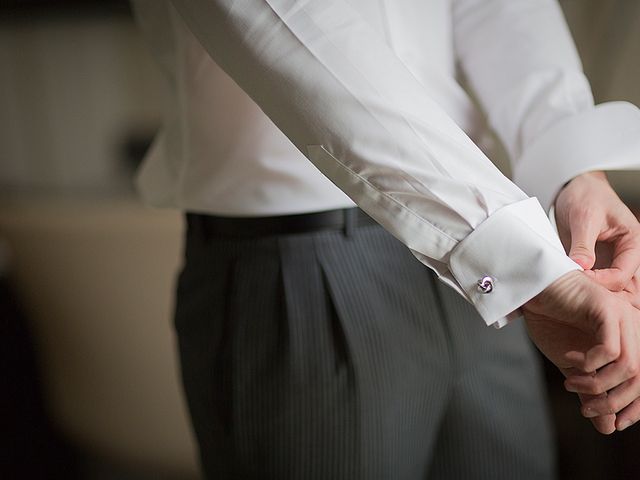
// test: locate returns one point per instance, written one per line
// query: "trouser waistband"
(346, 219)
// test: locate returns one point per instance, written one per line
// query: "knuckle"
(612, 405)
(581, 246)
(604, 428)
(611, 352)
(617, 284)
(595, 388)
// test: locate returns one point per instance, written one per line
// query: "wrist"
(558, 293)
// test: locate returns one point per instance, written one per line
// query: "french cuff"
(606, 137)
(508, 259)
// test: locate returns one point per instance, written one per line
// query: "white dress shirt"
(369, 92)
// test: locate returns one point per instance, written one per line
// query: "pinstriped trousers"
(337, 355)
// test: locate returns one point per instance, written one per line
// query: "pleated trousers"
(337, 355)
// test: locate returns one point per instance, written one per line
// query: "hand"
(578, 324)
(620, 406)
(599, 232)
(605, 423)
(590, 214)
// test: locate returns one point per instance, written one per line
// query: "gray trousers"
(336, 355)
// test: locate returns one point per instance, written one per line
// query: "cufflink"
(485, 284)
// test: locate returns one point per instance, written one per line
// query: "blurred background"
(89, 386)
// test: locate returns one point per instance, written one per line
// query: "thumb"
(584, 235)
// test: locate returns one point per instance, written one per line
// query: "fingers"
(623, 401)
(596, 358)
(624, 368)
(619, 379)
(584, 234)
(589, 210)
(606, 379)
(605, 424)
(618, 276)
(606, 350)
(614, 401)
(625, 262)
(582, 383)
(628, 416)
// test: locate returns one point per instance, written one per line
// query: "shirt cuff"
(518, 255)
(606, 137)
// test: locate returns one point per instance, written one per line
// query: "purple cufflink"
(485, 284)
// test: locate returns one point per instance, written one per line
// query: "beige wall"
(71, 90)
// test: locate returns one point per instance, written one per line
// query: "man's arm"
(600, 232)
(576, 315)
(520, 59)
(334, 87)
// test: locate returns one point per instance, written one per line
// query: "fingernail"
(589, 412)
(624, 424)
(585, 264)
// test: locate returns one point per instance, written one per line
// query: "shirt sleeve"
(337, 91)
(520, 59)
